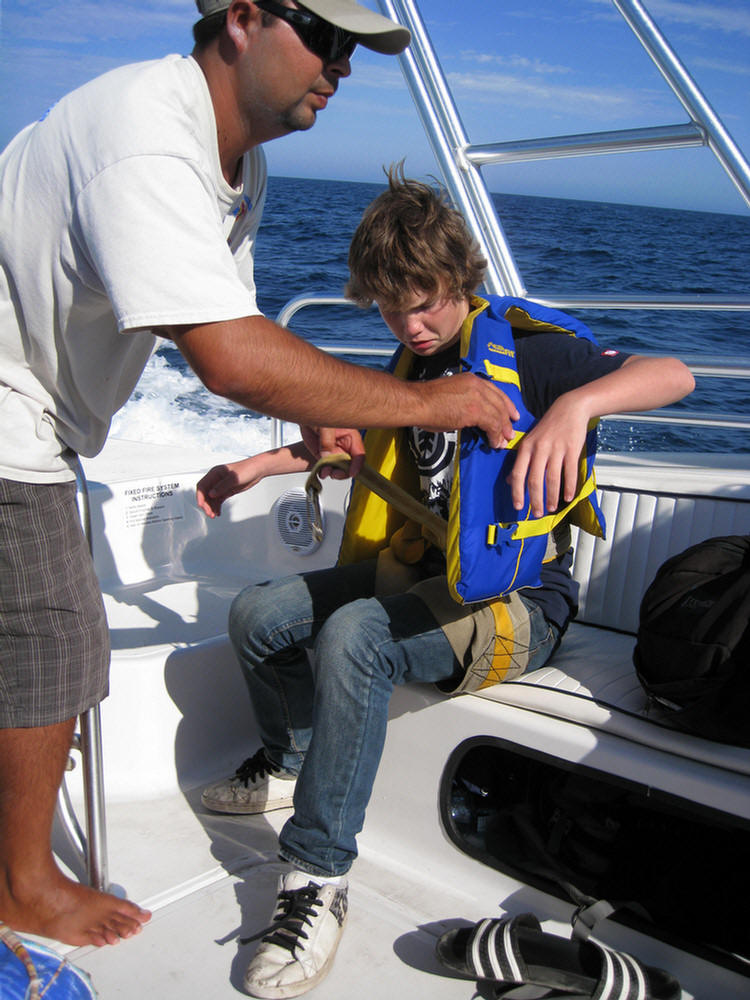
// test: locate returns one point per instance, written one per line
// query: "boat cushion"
(591, 681)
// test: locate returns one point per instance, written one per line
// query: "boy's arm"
(224, 481)
(550, 452)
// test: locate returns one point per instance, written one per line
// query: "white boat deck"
(211, 879)
(387, 951)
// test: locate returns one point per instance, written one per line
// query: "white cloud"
(728, 18)
(373, 73)
(85, 21)
(523, 91)
(723, 67)
(515, 62)
(731, 19)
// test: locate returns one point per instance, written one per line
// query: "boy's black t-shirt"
(549, 364)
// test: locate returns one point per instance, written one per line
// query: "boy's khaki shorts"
(491, 640)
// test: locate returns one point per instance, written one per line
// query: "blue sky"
(519, 69)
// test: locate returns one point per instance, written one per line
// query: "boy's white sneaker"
(258, 785)
(297, 950)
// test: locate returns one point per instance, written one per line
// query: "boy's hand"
(549, 455)
(214, 488)
(322, 441)
(224, 481)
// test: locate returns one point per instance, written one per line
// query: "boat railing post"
(93, 845)
(93, 793)
(446, 134)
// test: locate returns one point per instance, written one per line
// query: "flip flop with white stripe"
(516, 951)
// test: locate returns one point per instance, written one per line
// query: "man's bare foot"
(71, 913)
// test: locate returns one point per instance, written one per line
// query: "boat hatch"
(585, 835)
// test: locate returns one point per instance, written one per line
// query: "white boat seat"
(592, 682)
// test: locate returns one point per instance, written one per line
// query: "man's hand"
(322, 441)
(468, 401)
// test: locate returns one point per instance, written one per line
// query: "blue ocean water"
(561, 247)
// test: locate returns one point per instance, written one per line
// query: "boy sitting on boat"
(393, 610)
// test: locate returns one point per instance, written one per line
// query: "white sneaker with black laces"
(258, 785)
(297, 950)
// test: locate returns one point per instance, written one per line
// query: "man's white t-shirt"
(114, 218)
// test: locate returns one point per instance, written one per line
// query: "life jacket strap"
(533, 527)
(436, 529)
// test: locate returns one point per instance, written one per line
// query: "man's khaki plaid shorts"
(54, 641)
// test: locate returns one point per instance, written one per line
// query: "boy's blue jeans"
(324, 718)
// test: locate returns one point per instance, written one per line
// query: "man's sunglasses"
(320, 37)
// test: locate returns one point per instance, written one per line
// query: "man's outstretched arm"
(264, 367)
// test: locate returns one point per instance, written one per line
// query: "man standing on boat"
(127, 213)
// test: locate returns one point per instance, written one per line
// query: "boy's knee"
(238, 613)
(259, 611)
(353, 634)
(249, 610)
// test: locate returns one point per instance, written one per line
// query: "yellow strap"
(531, 528)
(436, 527)
(499, 373)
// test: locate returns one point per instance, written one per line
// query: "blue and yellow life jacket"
(492, 548)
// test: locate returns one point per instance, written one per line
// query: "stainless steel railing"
(702, 367)
(460, 161)
(89, 846)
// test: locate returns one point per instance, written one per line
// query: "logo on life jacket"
(501, 349)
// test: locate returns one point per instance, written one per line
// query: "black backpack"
(692, 653)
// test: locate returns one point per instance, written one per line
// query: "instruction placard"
(153, 503)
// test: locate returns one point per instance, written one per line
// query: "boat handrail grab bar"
(91, 846)
(634, 140)
(719, 140)
(647, 302)
(306, 299)
(703, 365)
(717, 366)
(460, 161)
(706, 365)
(593, 300)
(668, 415)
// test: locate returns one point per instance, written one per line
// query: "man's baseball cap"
(370, 29)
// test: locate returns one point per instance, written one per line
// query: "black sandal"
(516, 951)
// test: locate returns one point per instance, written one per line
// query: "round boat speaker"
(292, 518)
